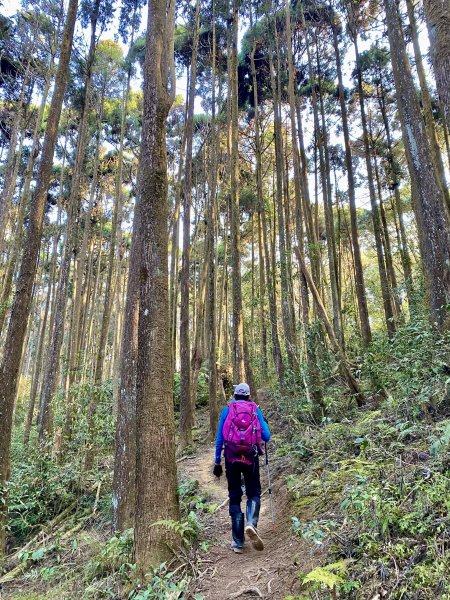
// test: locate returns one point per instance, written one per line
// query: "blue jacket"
(265, 431)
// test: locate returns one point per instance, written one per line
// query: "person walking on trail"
(241, 429)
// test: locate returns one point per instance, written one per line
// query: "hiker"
(241, 429)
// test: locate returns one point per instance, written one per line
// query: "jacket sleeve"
(265, 431)
(219, 438)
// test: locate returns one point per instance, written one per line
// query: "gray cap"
(242, 389)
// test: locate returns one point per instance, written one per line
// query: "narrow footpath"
(272, 573)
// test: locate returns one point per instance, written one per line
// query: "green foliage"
(162, 586)
(104, 422)
(330, 576)
(39, 489)
(202, 389)
(114, 556)
(187, 530)
(373, 485)
(441, 441)
(316, 531)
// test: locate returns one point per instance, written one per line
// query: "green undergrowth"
(60, 543)
(372, 486)
(78, 557)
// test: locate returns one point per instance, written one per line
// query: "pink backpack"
(242, 432)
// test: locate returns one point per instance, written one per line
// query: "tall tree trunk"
(285, 308)
(21, 307)
(23, 205)
(52, 367)
(404, 253)
(211, 251)
(388, 312)
(238, 325)
(433, 223)
(302, 210)
(186, 412)
(174, 258)
(328, 205)
(263, 244)
(359, 274)
(426, 96)
(241, 365)
(437, 16)
(124, 480)
(156, 489)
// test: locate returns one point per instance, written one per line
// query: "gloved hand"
(218, 471)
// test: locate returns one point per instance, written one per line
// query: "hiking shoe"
(257, 542)
(236, 548)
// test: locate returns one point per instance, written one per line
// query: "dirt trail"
(268, 574)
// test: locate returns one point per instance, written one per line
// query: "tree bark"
(426, 96)
(156, 490)
(433, 223)
(211, 250)
(186, 409)
(437, 16)
(124, 479)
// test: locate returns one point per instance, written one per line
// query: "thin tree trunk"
(359, 274)
(263, 244)
(350, 380)
(285, 309)
(238, 326)
(404, 253)
(186, 412)
(388, 312)
(174, 259)
(392, 279)
(301, 188)
(211, 252)
(40, 348)
(328, 210)
(23, 205)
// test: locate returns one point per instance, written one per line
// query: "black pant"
(252, 484)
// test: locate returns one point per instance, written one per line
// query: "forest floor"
(272, 573)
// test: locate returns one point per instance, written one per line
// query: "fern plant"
(187, 530)
(333, 577)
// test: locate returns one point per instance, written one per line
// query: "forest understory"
(361, 503)
(197, 195)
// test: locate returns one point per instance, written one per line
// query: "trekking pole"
(270, 485)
